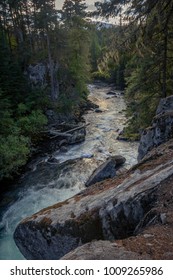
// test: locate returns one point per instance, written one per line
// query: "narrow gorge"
(60, 175)
(86, 128)
(130, 215)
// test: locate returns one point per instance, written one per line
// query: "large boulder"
(103, 250)
(161, 129)
(106, 170)
(115, 209)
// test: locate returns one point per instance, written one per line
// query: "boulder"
(103, 250)
(106, 170)
(63, 149)
(78, 136)
(115, 209)
(111, 93)
(97, 110)
(161, 129)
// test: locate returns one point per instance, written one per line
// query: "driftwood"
(67, 133)
(56, 134)
(77, 128)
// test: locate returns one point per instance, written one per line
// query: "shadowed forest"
(69, 48)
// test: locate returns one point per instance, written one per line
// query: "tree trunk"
(164, 85)
(53, 78)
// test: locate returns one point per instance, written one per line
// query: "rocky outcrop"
(37, 75)
(106, 170)
(161, 129)
(103, 250)
(134, 206)
(165, 104)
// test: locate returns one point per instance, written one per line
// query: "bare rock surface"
(154, 234)
(106, 170)
(103, 250)
(134, 208)
(165, 104)
(161, 129)
(115, 210)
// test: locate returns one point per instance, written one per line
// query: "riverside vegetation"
(126, 217)
(135, 54)
(47, 58)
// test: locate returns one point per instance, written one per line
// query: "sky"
(59, 3)
(90, 4)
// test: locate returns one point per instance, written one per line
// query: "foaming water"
(48, 183)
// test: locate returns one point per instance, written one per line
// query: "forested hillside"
(142, 50)
(135, 54)
(35, 33)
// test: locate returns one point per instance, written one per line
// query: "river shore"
(47, 182)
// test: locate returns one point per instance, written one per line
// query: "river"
(48, 183)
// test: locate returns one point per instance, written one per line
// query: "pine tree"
(45, 20)
(149, 42)
(73, 8)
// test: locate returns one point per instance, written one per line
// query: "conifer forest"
(133, 50)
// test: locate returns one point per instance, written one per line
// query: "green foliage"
(67, 103)
(95, 47)
(142, 98)
(17, 137)
(99, 75)
(73, 8)
(29, 34)
(142, 56)
(32, 124)
(21, 118)
(109, 62)
(75, 72)
(14, 151)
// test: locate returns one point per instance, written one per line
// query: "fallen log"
(67, 133)
(77, 128)
(56, 134)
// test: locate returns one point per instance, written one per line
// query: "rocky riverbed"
(128, 216)
(59, 175)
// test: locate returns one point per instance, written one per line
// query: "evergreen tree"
(76, 50)
(73, 8)
(148, 40)
(45, 20)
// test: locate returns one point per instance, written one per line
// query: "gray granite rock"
(103, 250)
(161, 129)
(106, 170)
(165, 104)
(108, 212)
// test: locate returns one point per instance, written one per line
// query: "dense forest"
(136, 54)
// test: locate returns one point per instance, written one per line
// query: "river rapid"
(50, 182)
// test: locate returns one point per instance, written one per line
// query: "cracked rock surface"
(135, 209)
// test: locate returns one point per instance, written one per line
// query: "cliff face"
(161, 129)
(133, 211)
